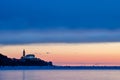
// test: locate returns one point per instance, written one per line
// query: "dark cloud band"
(57, 37)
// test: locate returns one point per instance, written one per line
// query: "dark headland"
(30, 62)
(25, 60)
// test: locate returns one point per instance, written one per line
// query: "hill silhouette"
(6, 61)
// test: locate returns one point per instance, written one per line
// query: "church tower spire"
(23, 52)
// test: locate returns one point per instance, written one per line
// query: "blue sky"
(59, 21)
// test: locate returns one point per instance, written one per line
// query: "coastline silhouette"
(26, 60)
(37, 63)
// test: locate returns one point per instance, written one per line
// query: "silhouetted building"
(28, 56)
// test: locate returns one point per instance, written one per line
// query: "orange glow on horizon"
(89, 53)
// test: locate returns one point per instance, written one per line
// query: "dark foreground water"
(59, 74)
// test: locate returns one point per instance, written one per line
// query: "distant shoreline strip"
(59, 67)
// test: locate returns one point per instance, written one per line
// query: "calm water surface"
(60, 75)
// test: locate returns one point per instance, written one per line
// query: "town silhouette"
(25, 60)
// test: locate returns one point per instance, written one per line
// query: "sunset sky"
(69, 54)
(72, 32)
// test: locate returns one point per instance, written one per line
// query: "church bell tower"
(23, 52)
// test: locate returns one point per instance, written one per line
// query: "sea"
(59, 74)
